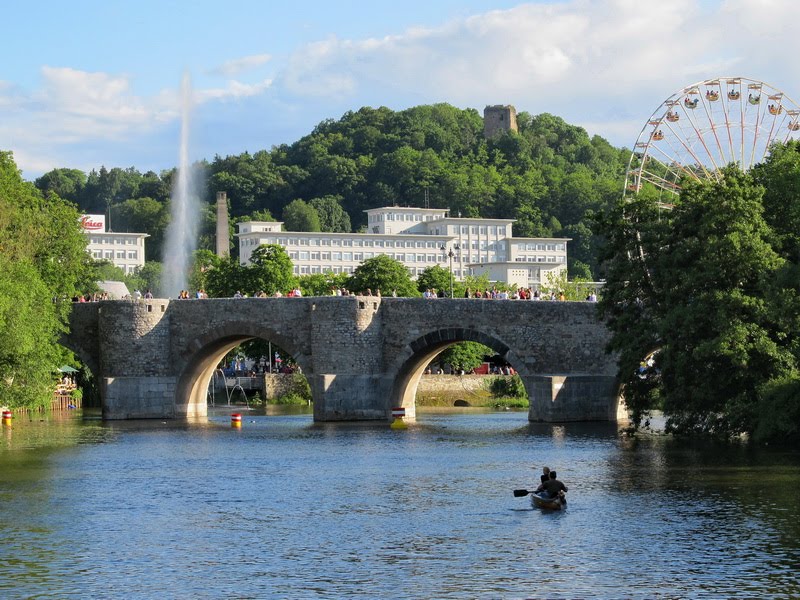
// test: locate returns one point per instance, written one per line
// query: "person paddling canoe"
(551, 488)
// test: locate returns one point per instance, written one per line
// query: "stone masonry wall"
(360, 354)
(452, 387)
(135, 338)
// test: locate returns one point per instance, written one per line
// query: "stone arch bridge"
(362, 356)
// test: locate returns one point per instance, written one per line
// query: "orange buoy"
(7, 417)
(236, 420)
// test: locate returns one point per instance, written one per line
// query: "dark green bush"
(507, 387)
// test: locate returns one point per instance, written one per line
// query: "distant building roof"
(116, 289)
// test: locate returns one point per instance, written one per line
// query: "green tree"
(692, 284)
(226, 278)
(779, 411)
(203, 261)
(38, 272)
(574, 290)
(65, 183)
(332, 216)
(464, 355)
(61, 258)
(298, 215)
(712, 273)
(144, 215)
(261, 215)
(322, 284)
(270, 270)
(105, 270)
(780, 177)
(382, 273)
(147, 277)
(29, 355)
(434, 278)
(475, 283)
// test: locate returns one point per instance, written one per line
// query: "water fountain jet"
(181, 238)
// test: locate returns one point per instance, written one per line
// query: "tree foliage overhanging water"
(42, 258)
(711, 292)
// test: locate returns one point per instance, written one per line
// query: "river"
(287, 508)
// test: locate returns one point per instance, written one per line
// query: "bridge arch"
(204, 352)
(418, 353)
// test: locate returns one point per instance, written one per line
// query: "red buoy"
(236, 420)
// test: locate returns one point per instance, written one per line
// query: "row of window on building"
(118, 241)
(304, 255)
(532, 275)
(409, 217)
(472, 245)
(111, 255)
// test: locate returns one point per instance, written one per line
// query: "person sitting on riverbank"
(552, 487)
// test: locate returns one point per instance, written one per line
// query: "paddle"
(520, 493)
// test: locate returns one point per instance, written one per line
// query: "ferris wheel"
(706, 126)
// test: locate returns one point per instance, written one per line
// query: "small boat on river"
(557, 503)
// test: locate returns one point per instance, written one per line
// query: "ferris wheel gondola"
(706, 126)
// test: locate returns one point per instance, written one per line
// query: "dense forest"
(551, 177)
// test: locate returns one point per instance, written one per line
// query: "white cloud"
(234, 90)
(79, 105)
(233, 67)
(580, 59)
(603, 64)
(79, 108)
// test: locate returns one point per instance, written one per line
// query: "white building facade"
(123, 250)
(418, 238)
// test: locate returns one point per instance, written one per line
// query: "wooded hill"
(551, 177)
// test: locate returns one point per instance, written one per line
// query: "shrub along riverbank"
(472, 390)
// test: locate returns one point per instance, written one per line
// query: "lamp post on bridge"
(449, 253)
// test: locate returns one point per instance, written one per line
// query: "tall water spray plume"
(181, 239)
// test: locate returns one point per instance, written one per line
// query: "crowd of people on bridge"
(430, 294)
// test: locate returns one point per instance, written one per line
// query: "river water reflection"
(287, 508)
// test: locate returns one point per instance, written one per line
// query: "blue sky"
(91, 83)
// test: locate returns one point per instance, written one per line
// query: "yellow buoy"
(397, 418)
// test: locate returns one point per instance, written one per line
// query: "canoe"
(538, 501)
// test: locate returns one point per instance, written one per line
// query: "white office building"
(124, 250)
(418, 238)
